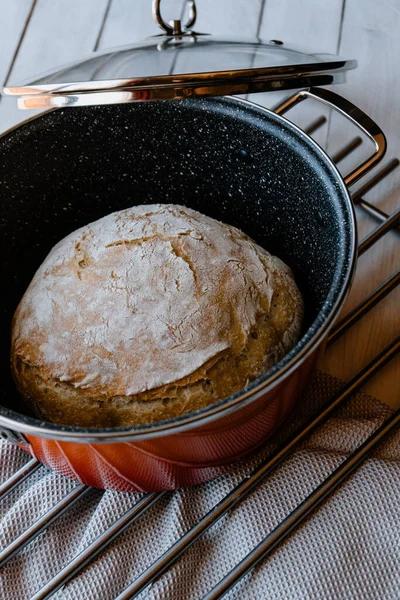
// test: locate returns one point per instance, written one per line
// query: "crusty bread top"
(145, 297)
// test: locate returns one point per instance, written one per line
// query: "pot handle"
(353, 114)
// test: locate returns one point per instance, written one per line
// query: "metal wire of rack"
(245, 487)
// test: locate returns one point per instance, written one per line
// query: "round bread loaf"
(149, 313)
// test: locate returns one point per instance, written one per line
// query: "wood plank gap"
(183, 10)
(260, 18)
(17, 49)
(329, 124)
(106, 13)
(341, 26)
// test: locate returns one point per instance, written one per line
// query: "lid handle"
(175, 27)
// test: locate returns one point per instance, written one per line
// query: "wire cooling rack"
(245, 487)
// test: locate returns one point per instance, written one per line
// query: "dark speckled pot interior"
(228, 159)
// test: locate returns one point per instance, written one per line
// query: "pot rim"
(15, 421)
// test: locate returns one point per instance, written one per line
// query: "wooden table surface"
(39, 35)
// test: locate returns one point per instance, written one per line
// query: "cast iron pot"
(227, 158)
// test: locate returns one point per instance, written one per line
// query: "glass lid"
(180, 64)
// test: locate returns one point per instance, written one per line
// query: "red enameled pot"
(227, 158)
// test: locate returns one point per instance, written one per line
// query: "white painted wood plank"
(311, 23)
(371, 35)
(129, 21)
(13, 17)
(60, 31)
(314, 25)
(228, 18)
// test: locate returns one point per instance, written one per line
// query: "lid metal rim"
(74, 100)
(255, 74)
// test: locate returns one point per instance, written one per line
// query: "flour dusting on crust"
(145, 297)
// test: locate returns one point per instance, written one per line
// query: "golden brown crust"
(241, 312)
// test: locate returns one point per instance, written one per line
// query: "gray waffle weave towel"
(347, 549)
